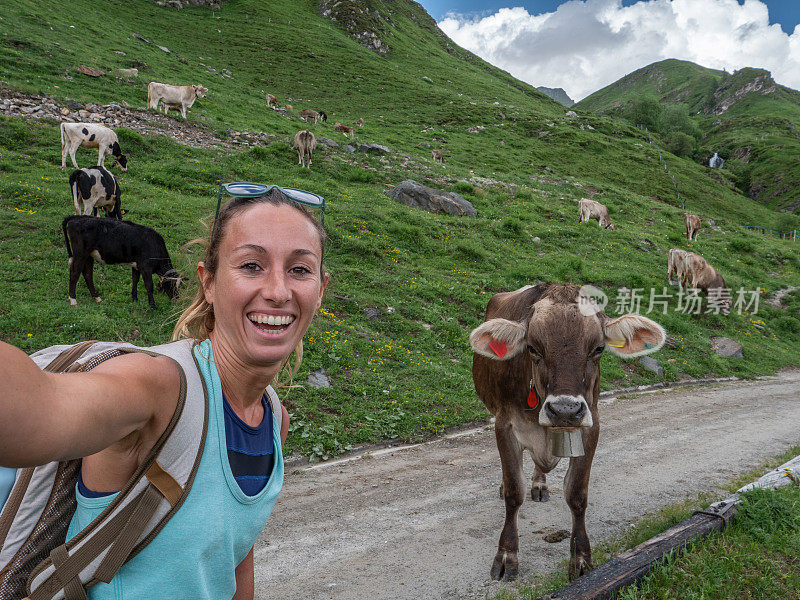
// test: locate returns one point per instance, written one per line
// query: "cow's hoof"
(73, 302)
(98, 299)
(505, 566)
(540, 493)
(579, 566)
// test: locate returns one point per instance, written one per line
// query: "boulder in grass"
(411, 193)
(90, 71)
(726, 347)
(374, 148)
(319, 379)
(651, 364)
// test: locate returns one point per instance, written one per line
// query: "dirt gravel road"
(423, 523)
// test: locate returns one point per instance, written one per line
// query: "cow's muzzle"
(565, 411)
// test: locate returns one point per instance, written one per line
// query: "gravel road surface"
(423, 522)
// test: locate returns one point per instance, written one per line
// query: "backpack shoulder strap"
(275, 403)
(149, 499)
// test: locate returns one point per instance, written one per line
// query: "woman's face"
(268, 283)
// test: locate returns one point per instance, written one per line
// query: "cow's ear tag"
(532, 399)
(616, 344)
(498, 347)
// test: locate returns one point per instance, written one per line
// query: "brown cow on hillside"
(537, 369)
(693, 224)
(272, 100)
(676, 266)
(437, 155)
(345, 129)
(701, 275)
(305, 144)
(590, 209)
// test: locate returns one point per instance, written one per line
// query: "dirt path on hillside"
(423, 523)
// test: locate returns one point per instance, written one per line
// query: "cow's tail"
(64, 224)
(61, 127)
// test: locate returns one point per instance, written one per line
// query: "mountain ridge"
(745, 116)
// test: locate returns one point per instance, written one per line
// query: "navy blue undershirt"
(250, 452)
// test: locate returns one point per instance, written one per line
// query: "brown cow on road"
(590, 209)
(693, 224)
(699, 274)
(537, 369)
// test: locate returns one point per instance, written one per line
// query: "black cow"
(93, 188)
(117, 242)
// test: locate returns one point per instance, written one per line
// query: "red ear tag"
(498, 347)
(532, 399)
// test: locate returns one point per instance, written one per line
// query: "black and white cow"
(95, 188)
(117, 242)
(90, 135)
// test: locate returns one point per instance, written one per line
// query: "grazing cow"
(537, 369)
(590, 209)
(676, 266)
(345, 129)
(95, 188)
(309, 115)
(272, 100)
(178, 97)
(90, 135)
(128, 73)
(693, 224)
(699, 274)
(360, 122)
(288, 107)
(304, 143)
(117, 242)
(437, 155)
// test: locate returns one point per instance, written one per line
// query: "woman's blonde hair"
(197, 320)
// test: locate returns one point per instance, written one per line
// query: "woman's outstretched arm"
(46, 416)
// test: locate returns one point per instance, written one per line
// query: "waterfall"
(716, 162)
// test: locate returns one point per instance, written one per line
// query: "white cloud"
(587, 44)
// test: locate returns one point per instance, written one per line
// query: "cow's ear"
(499, 339)
(633, 335)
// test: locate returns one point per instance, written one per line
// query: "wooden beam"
(626, 569)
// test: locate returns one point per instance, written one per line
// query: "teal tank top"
(195, 555)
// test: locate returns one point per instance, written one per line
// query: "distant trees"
(672, 122)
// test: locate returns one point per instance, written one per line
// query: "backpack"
(35, 561)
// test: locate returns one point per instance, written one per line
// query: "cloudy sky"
(584, 45)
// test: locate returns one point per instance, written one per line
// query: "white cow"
(178, 97)
(590, 209)
(90, 135)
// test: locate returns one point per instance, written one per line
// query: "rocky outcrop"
(214, 4)
(740, 84)
(557, 94)
(361, 19)
(29, 106)
(411, 193)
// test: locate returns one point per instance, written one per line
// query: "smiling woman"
(260, 283)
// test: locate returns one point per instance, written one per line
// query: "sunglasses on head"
(241, 189)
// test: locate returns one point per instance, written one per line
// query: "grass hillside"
(746, 117)
(407, 286)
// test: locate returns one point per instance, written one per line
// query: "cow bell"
(566, 443)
